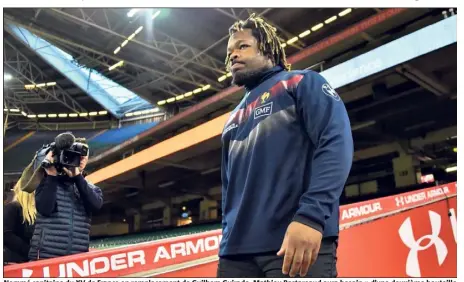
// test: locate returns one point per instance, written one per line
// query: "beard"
(246, 77)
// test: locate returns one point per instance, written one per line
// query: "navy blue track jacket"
(287, 152)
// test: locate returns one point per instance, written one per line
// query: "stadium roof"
(103, 60)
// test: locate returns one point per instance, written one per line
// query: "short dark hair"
(265, 34)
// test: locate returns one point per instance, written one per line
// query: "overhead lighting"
(451, 169)
(170, 100)
(166, 184)
(129, 114)
(42, 116)
(117, 50)
(316, 27)
(83, 114)
(14, 110)
(283, 45)
(51, 83)
(345, 12)
(31, 116)
(118, 64)
(229, 74)
(179, 97)
(331, 19)
(93, 114)
(160, 103)
(132, 12)
(188, 94)
(293, 40)
(73, 115)
(137, 113)
(139, 29)
(206, 87)
(124, 43)
(455, 149)
(131, 36)
(7, 77)
(24, 114)
(196, 91)
(154, 110)
(222, 78)
(304, 33)
(63, 115)
(52, 115)
(41, 85)
(29, 86)
(5, 110)
(102, 113)
(155, 14)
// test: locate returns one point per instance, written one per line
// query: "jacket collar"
(264, 76)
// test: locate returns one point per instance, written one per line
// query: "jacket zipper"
(71, 224)
(42, 231)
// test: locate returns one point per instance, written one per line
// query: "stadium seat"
(120, 241)
(18, 157)
(116, 136)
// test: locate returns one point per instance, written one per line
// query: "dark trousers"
(269, 265)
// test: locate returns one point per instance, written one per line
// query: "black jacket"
(17, 234)
(64, 208)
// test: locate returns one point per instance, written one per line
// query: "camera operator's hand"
(52, 169)
(83, 163)
(77, 170)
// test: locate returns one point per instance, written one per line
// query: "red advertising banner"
(358, 212)
(122, 261)
(420, 242)
(408, 235)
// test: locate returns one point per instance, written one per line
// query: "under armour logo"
(407, 236)
(399, 201)
(27, 273)
(329, 91)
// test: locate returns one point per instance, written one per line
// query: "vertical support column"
(405, 174)
(167, 216)
(136, 222)
(208, 210)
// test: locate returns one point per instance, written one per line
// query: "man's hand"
(300, 246)
(77, 170)
(51, 170)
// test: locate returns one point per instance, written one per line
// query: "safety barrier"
(407, 235)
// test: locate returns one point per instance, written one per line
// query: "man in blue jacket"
(287, 152)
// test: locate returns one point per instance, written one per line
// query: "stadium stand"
(116, 136)
(119, 241)
(11, 137)
(27, 143)
(19, 156)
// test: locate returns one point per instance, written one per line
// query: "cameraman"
(65, 202)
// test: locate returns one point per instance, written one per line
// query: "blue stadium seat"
(113, 137)
(18, 157)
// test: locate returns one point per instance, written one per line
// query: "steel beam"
(34, 75)
(299, 46)
(424, 80)
(202, 52)
(102, 60)
(15, 103)
(148, 46)
(45, 34)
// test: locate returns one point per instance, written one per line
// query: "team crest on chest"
(265, 97)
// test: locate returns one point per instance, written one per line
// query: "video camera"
(67, 152)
